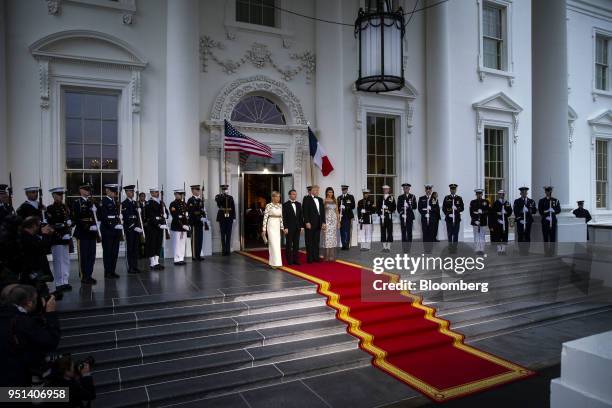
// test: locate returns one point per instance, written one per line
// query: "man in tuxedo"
(294, 223)
(314, 222)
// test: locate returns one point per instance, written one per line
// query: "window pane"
(380, 165)
(110, 157)
(109, 132)
(268, 16)
(110, 178)
(74, 132)
(91, 106)
(109, 105)
(380, 126)
(242, 11)
(254, 14)
(371, 125)
(95, 179)
(390, 129)
(74, 156)
(73, 181)
(371, 164)
(92, 131)
(380, 145)
(92, 156)
(371, 146)
(72, 104)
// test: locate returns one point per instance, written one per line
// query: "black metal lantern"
(381, 53)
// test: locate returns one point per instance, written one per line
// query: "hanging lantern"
(381, 53)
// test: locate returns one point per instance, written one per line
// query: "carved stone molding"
(515, 126)
(128, 18)
(135, 85)
(259, 56)
(43, 76)
(53, 7)
(571, 119)
(233, 92)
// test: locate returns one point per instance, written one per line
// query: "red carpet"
(405, 337)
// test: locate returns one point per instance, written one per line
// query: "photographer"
(25, 338)
(10, 251)
(35, 245)
(76, 377)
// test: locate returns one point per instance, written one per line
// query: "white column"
(4, 166)
(438, 85)
(182, 94)
(211, 191)
(329, 93)
(550, 151)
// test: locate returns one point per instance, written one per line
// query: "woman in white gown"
(272, 229)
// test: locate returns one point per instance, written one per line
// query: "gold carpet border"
(366, 343)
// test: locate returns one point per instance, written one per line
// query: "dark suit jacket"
(292, 220)
(311, 215)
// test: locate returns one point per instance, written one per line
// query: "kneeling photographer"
(65, 372)
(29, 330)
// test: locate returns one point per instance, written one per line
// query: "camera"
(88, 360)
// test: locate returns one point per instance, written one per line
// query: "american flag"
(235, 141)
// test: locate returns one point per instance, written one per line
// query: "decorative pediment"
(498, 102)
(85, 46)
(602, 120)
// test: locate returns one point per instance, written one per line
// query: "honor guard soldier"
(6, 208)
(582, 212)
(406, 204)
(31, 206)
(549, 207)
(111, 230)
(386, 206)
(453, 206)
(524, 210)
(58, 217)
(225, 217)
(197, 221)
(365, 210)
(132, 228)
(155, 220)
(86, 232)
(428, 207)
(498, 221)
(179, 227)
(479, 213)
(346, 205)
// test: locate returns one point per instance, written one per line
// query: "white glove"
(551, 210)
(477, 222)
(500, 221)
(499, 213)
(118, 227)
(158, 218)
(203, 219)
(94, 208)
(525, 209)
(523, 222)
(363, 211)
(163, 226)
(68, 223)
(138, 230)
(93, 228)
(548, 218)
(479, 211)
(426, 215)
(342, 208)
(454, 208)
(185, 227)
(428, 208)
(66, 236)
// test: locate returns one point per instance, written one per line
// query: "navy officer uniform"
(132, 228)
(86, 232)
(406, 204)
(30, 207)
(58, 217)
(225, 217)
(524, 210)
(385, 207)
(346, 205)
(197, 221)
(111, 230)
(428, 207)
(6, 208)
(498, 221)
(453, 206)
(582, 212)
(549, 207)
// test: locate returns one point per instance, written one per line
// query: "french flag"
(319, 158)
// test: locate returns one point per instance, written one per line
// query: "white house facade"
(499, 94)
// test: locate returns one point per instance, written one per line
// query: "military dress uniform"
(86, 232)
(112, 232)
(406, 204)
(198, 221)
(155, 216)
(428, 207)
(179, 228)
(6, 208)
(58, 217)
(30, 208)
(549, 207)
(524, 210)
(453, 206)
(385, 207)
(479, 214)
(225, 217)
(365, 210)
(346, 205)
(132, 228)
(582, 212)
(498, 222)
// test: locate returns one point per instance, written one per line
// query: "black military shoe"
(67, 287)
(133, 271)
(88, 281)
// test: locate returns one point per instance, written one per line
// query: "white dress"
(272, 225)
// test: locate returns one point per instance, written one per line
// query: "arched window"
(258, 109)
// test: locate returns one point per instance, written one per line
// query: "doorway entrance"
(257, 188)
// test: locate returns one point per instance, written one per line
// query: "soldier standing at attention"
(225, 217)
(31, 207)
(197, 221)
(155, 215)
(549, 207)
(406, 204)
(111, 230)
(86, 232)
(453, 206)
(346, 205)
(498, 221)
(582, 212)
(386, 207)
(132, 227)
(524, 209)
(365, 210)
(479, 213)
(179, 226)
(428, 207)
(6, 208)
(58, 217)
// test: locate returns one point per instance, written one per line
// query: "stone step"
(323, 340)
(176, 331)
(132, 320)
(195, 389)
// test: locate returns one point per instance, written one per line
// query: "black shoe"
(94, 280)
(111, 275)
(289, 263)
(177, 264)
(133, 271)
(60, 288)
(160, 267)
(296, 263)
(67, 287)
(88, 281)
